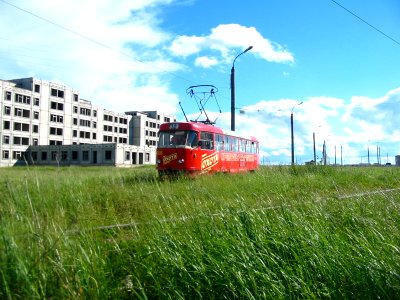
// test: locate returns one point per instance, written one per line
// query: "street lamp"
(233, 89)
(291, 129)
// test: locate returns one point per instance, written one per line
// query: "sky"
(334, 65)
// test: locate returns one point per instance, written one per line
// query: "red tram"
(195, 148)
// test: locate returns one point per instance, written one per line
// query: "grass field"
(281, 233)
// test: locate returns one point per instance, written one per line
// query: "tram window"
(235, 144)
(192, 140)
(242, 146)
(207, 140)
(226, 143)
(180, 139)
(219, 142)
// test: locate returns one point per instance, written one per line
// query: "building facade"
(48, 123)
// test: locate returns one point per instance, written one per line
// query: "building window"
(6, 139)
(56, 118)
(94, 124)
(17, 155)
(25, 113)
(35, 142)
(7, 110)
(94, 113)
(35, 128)
(84, 134)
(85, 111)
(107, 138)
(56, 131)
(22, 99)
(34, 155)
(75, 109)
(54, 142)
(64, 155)
(6, 154)
(107, 155)
(76, 97)
(20, 140)
(18, 112)
(75, 133)
(36, 115)
(85, 123)
(74, 155)
(43, 155)
(21, 126)
(54, 155)
(7, 96)
(108, 118)
(37, 88)
(85, 155)
(6, 125)
(56, 105)
(94, 136)
(36, 101)
(147, 157)
(127, 155)
(57, 93)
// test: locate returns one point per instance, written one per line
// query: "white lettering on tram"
(209, 161)
(167, 159)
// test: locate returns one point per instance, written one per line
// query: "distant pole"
(324, 153)
(292, 131)
(292, 136)
(315, 155)
(341, 155)
(233, 89)
(368, 153)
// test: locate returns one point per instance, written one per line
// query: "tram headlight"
(158, 161)
(181, 161)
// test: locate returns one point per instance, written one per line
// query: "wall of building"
(39, 113)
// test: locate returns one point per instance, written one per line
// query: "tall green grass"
(282, 232)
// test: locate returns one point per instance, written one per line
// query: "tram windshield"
(178, 139)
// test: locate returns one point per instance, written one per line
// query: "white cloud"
(205, 61)
(107, 50)
(350, 127)
(225, 38)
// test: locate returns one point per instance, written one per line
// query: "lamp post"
(291, 129)
(233, 89)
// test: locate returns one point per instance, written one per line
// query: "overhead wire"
(364, 21)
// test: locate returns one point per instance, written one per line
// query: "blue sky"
(144, 54)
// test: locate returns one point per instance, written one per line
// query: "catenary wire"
(364, 21)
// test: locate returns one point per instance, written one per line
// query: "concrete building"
(38, 117)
